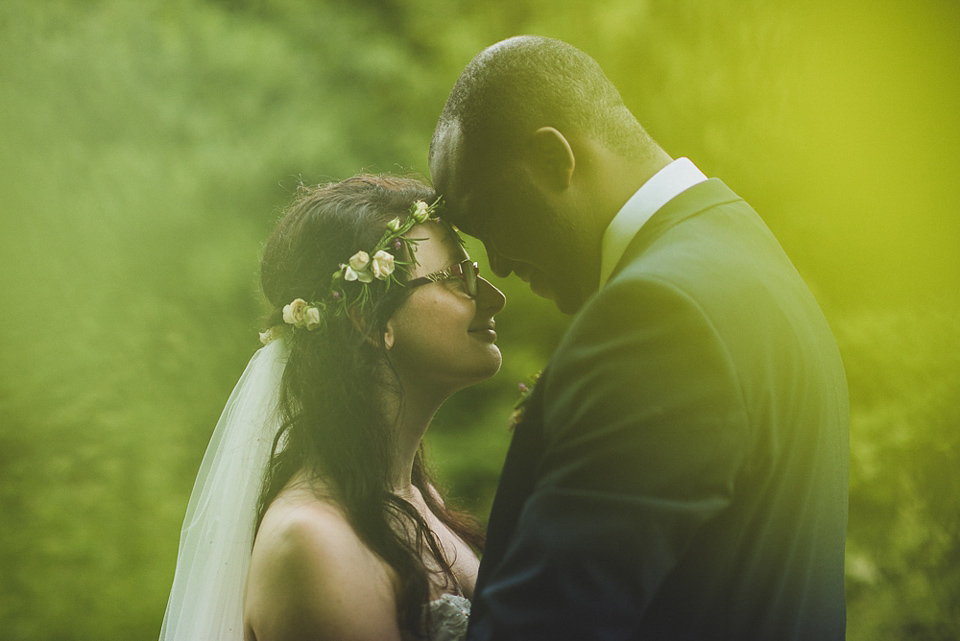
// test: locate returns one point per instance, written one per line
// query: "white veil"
(206, 600)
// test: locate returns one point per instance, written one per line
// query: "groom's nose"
(499, 265)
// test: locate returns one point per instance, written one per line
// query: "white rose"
(359, 261)
(382, 264)
(293, 313)
(394, 225)
(420, 213)
(311, 318)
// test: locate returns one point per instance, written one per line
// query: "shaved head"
(518, 85)
(533, 154)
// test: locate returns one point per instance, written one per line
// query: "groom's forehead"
(454, 178)
(445, 157)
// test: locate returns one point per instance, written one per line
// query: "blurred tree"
(903, 553)
(147, 146)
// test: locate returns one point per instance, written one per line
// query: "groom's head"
(533, 154)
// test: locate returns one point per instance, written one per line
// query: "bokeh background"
(147, 147)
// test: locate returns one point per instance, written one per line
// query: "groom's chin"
(541, 289)
(567, 302)
(567, 305)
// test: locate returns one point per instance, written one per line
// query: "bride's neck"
(413, 413)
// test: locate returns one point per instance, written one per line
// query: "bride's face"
(441, 336)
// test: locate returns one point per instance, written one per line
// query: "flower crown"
(362, 268)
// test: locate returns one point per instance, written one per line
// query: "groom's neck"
(618, 178)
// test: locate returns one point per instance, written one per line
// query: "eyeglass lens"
(470, 273)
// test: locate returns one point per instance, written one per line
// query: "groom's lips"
(536, 279)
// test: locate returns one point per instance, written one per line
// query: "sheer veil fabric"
(206, 600)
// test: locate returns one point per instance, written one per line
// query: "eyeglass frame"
(472, 287)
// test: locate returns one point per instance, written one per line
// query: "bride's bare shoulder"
(312, 577)
(301, 519)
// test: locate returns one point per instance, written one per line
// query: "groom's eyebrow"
(475, 224)
(456, 216)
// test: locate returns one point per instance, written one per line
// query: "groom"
(680, 471)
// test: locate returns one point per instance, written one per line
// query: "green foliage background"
(146, 147)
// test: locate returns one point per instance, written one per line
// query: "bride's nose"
(489, 298)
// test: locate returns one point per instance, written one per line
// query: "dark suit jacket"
(681, 470)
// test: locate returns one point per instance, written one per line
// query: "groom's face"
(520, 229)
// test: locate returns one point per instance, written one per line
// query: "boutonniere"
(520, 407)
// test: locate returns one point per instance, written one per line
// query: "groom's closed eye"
(478, 226)
(463, 224)
(471, 221)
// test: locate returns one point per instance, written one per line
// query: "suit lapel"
(517, 480)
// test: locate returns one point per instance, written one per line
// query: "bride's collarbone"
(463, 562)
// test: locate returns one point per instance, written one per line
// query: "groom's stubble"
(559, 240)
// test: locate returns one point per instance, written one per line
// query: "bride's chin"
(495, 357)
(497, 361)
(491, 367)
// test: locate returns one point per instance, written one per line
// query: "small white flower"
(311, 318)
(421, 212)
(293, 313)
(349, 273)
(383, 264)
(270, 335)
(394, 225)
(359, 261)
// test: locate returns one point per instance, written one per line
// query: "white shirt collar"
(664, 186)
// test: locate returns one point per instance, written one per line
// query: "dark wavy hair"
(333, 424)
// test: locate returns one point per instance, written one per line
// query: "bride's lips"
(486, 331)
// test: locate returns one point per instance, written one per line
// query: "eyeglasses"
(466, 270)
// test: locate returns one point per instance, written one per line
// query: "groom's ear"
(551, 158)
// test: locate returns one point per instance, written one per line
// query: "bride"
(317, 462)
